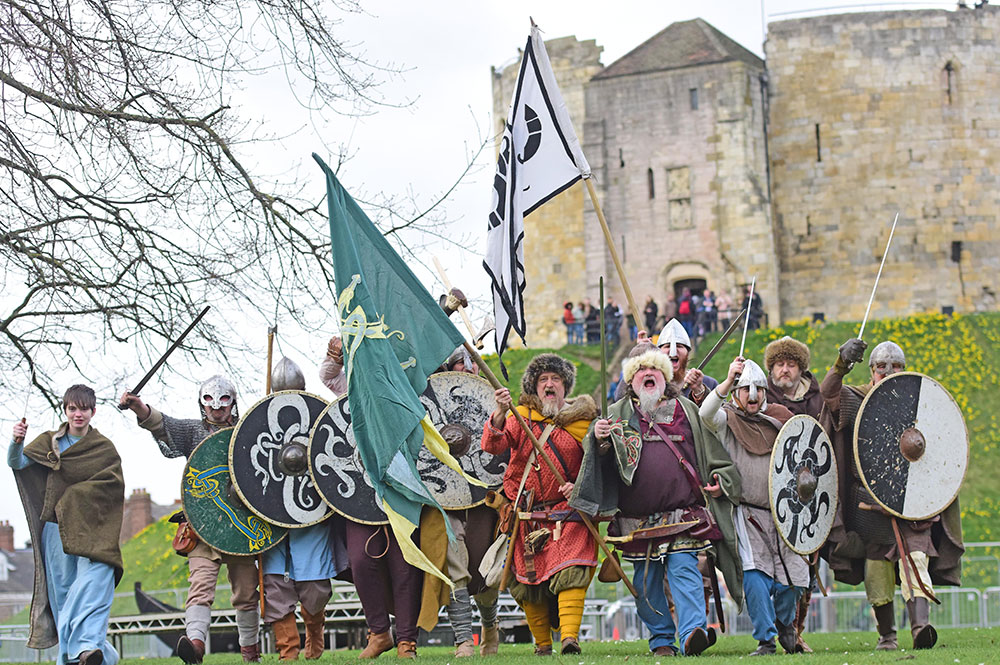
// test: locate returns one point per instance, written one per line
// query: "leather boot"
(406, 649)
(378, 644)
(465, 649)
(788, 637)
(885, 618)
(489, 640)
(765, 648)
(251, 653)
(190, 651)
(286, 637)
(924, 635)
(315, 626)
(801, 612)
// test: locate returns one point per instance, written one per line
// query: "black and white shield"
(459, 405)
(336, 468)
(802, 485)
(268, 459)
(911, 445)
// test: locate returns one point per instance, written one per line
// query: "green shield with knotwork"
(214, 509)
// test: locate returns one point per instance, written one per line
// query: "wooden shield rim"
(482, 380)
(232, 443)
(857, 459)
(312, 474)
(770, 482)
(195, 529)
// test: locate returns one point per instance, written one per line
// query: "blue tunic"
(80, 590)
(305, 554)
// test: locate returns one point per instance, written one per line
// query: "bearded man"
(862, 545)
(554, 554)
(792, 385)
(637, 461)
(178, 437)
(675, 342)
(773, 575)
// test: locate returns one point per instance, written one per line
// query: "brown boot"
(315, 626)
(406, 649)
(924, 635)
(801, 613)
(286, 637)
(251, 654)
(465, 649)
(190, 651)
(489, 640)
(378, 644)
(885, 621)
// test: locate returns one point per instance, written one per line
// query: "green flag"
(395, 335)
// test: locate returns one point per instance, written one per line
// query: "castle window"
(950, 81)
(693, 98)
(819, 155)
(650, 184)
(679, 198)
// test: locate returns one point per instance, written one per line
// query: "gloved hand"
(450, 302)
(852, 351)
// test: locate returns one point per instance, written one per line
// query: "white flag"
(539, 157)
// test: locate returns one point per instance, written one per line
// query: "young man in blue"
(70, 482)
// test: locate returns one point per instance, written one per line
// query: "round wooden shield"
(911, 445)
(213, 508)
(271, 431)
(802, 485)
(336, 468)
(459, 404)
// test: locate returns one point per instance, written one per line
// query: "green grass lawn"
(968, 645)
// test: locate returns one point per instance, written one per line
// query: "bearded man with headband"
(862, 545)
(638, 462)
(554, 553)
(773, 575)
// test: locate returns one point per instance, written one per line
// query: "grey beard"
(784, 385)
(549, 409)
(648, 402)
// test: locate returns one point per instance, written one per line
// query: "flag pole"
(447, 288)
(614, 253)
(540, 454)
(604, 357)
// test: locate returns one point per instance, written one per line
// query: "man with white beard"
(638, 462)
(674, 341)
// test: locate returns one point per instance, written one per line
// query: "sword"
(718, 345)
(163, 358)
(882, 265)
(746, 323)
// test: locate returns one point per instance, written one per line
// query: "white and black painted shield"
(911, 445)
(459, 404)
(268, 459)
(802, 485)
(336, 468)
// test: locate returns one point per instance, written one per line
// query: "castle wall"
(907, 109)
(684, 189)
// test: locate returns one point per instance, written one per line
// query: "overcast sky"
(446, 50)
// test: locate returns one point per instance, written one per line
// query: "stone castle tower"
(712, 167)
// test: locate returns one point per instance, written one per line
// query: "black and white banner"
(539, 157)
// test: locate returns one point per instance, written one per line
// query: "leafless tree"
(129, 194)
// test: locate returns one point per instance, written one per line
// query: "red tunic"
(568, 545)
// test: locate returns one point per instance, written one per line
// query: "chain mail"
(177, 437)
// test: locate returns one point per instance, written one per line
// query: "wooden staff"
(604, 358)
(461, 310)
(271, 332)
(614, 253)
(552, 467)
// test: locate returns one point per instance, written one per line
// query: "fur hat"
(547, 362)
(647, 355)
(786, 348)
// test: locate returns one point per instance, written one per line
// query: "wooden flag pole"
(540, 454)
(461, 310)
(614, 254)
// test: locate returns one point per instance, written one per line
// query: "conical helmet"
(673, 333)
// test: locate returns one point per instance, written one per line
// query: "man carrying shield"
(554, 554)
(178, 438)
(675, 488)
(863, 544)
(773, 575)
